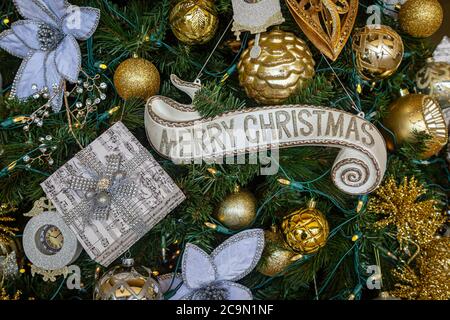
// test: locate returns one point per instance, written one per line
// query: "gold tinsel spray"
(416, 220)
(6, 231)
(429, 278)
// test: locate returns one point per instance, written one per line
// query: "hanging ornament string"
(353, 105)
(197, 78)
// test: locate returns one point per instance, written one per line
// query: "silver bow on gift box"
(107, 191)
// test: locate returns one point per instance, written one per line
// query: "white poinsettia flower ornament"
(46, 41)
(213, 277)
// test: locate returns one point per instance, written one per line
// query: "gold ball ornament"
(434, 80)
(378, 51)
(136, 78)
(305, 230)
(194, 21)
(283, 66)
(124, 282)
(416, 113)
(237, 210)
(277, 256)
(421, 18)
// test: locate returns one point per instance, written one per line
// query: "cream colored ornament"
(178, 132)
(327, 23)
(237, 210)
(434, 80)
(255, 16)
(442, 51)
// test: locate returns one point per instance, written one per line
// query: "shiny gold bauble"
(305, 230)
(283, 67)
(378, 51)
(194, 21)
(434, 80)
(421, 18)
(416, 113)
(238, 210)
(277, 256)
(125, 283)
(136, 78)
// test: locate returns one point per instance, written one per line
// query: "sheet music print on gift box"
(155, 195)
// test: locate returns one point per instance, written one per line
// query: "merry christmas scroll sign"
(178, 132)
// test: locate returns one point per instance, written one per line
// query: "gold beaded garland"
(421, 18)
(137, 78)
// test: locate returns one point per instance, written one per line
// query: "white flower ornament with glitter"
(213, 277)
(46, 41)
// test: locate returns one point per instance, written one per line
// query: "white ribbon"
(179, 133)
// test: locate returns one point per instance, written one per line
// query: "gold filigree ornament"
(327, 23)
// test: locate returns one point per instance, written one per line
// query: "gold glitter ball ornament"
(434, 80)
(238, 210)
(378, 51)
(416, 113)
(194, 21)
(283, 67)
(421, 18)
(305, 230)
(277, 256)
(136, 78)
(124, 282)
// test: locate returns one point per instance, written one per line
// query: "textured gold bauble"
(434, 80)
(421, 18)
(416, 113)
(238, 210)
(305, 230)
(136, 78)
(282, 68)
(277, 256)
(194, 21)
(125, 283)
(378, 51)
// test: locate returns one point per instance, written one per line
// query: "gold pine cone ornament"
(194, 21)
(378, 51)
(416, 113)
(237, 210)
(137, 78)
(421, 18)
(284, 66)
(305, 230)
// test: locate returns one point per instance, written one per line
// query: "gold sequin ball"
(421, 18)
(137, 78)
